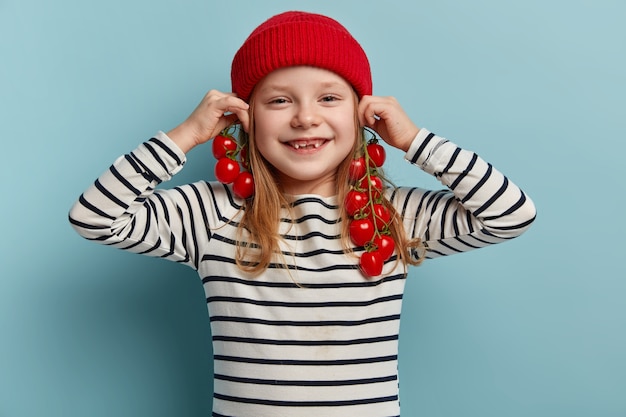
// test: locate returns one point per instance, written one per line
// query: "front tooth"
(297, 146)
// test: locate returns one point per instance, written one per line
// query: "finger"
(221, 124)
(225, 110)
(240, 110)
(372, 110)
(232, 116)
(371, 117)
(367, 113)
(235, 101)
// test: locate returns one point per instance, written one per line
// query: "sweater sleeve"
(480, 206)
(122, 209)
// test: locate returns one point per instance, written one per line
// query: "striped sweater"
(315, 338)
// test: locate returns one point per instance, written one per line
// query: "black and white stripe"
(311, 336)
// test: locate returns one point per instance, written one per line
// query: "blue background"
(533, 327)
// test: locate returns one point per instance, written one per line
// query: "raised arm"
(122, 208)
(480, 205)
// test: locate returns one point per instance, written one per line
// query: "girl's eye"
(279, 100)
(329, 99)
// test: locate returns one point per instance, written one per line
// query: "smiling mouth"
(306, 143)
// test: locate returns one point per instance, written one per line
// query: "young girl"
(304, 307)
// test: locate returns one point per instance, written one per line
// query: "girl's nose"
(305, 117)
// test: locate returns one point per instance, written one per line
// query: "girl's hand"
(215, 112)
(388, 119)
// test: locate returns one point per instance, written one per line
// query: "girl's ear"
(244, 121)
(245, 125)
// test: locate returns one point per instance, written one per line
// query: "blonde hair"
(258, 234)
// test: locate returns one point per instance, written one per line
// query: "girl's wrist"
(184, 137)
(410, 137)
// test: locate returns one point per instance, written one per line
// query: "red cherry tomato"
(361, 231)
(222, 145)
(377, 186)
(226, 170)
(385, 246)
(381, 216)
(357, 169)
(371, 263)
(377, 154)
(243, 187)
(355, 201)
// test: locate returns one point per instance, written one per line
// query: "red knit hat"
(300, 38)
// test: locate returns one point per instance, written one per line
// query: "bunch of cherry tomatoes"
(227, 169)
(369, 217)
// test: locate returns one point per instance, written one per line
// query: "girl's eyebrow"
(273, 88)
(333, 84)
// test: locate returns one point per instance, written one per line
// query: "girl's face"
(305, 126)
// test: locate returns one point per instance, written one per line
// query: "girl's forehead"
(302, 77)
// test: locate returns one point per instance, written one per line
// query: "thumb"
(224, 122)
